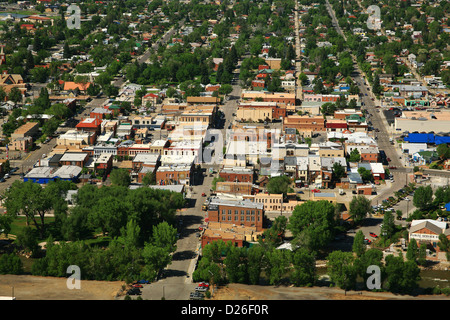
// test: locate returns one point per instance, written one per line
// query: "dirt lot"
(27, 287)
(249, 292)
(47, 288)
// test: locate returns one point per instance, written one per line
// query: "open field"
(27, 287)
(253, 292)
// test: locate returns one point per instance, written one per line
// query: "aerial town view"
(224, 150)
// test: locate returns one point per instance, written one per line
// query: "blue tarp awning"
(447, 206)
(420, 138)
(441, 140)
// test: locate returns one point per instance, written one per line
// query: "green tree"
(341, 269)
(388, 227)
(75, 225)
(10, 264)
(376, 87)
(338, 171)
(155, 259)
(236, 265)
(278, 185)
(359, 247)
(165, 236)
(354, 156)
(5, 224)
(304, 268)
(371, 257)
(32, 201)
(27, 239)
(312, 224)
(402, 277)
(278, 265)
(149, 179)
(411, 252)
(273, 236)
(443, 151)
(423, 196)
(129, 235)
(15, 95)
(225, 89)
(110, 215)
(444, 245)
(255, 257)
(422, 255)
(120, 177)
(359, 208)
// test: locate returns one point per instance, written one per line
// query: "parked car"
(367, 241)
(134, 292)
(143, 281)
(137, 285)
(373, 235)
(203, 284)
(201, 289)
(196, 296)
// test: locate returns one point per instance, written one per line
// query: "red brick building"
(174, 174)
(239, 212)
(104, 162)
(370, 154)
(90, 125)
(278, 111)
(237, 235)
(238, 174)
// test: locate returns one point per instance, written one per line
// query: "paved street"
(378, 119)
(176, 282)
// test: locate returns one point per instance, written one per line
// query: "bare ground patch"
(27, 287)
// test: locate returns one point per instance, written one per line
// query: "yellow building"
(254, 114)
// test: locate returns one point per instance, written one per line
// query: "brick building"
(305, 124)
(238, 212)
(238, 174)
(238, 235)
(90, 125)
(174, 174)
(241, 188)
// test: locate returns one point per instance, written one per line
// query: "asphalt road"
(380, 122)
(176, 282)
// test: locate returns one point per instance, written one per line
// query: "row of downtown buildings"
(252, 152)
